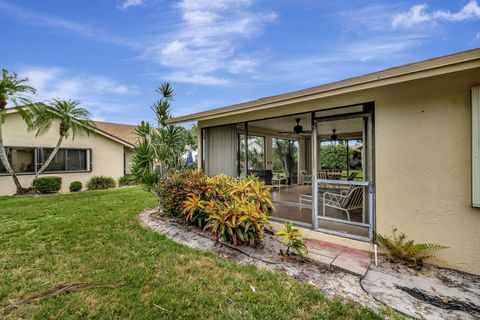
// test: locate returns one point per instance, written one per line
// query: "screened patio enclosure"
(318, 165)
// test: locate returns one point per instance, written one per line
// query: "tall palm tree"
(73, 121)
(15, 91)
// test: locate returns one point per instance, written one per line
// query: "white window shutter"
(476, 147)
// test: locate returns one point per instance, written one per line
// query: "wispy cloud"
(129, 3)
(206, 43)
(205, 47)
(351, 59)
(98, 93)
(418, 14)
(55, 82)
(40, 19)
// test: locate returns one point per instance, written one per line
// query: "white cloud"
(417, 14)
(129, 3)
(207, 41)
(207, 46)
(469, 12)
(99, 94)
(193, 78)
(54, 82)
(242, 65)
(40, 19)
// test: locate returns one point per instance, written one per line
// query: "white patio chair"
(345, 201)
(306, 178)
(305, 201)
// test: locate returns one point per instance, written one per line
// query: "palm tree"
(159, 149)
(13, 90)
(73, 119)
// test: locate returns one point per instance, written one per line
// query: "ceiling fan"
(297, 129)
(334, 135)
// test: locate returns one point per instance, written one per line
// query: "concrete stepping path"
(339, 257)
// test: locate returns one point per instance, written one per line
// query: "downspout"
(246, 150)
(314, 175)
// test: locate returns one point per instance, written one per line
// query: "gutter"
(451, 63)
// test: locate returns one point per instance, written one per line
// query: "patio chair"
(305, 200)
(306, 178)
(352, 176)
(279, 180)
(345, 201)
(322, 175)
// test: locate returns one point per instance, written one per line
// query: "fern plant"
(293, 240)
(407, 251)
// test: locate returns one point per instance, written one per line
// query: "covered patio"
(318, 165)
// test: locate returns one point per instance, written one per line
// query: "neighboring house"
(415, 132)
(106, 152)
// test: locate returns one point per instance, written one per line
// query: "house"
(409, 139)
(106, 152)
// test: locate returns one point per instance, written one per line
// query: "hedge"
(100, 182)
(75, 186)
(47, 185)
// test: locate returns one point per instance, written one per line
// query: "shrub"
(175, 189)
(292, 239)
(193, 165)
(100, 182)
(127, 180)
(235, 210)
(75, 186)
(333, 156)
(406, 251)
(47, 184)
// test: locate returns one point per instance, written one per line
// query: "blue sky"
(112, 54)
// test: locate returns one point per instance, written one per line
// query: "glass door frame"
(369, 169)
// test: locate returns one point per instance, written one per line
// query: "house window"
(64, 160)
(58, 162)
(76, 160)
(21, 159)
(27, 159)
(476, 147)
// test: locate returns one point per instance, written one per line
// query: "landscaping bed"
(455, 295)
(333, 283)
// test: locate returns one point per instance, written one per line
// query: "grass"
(95, 237)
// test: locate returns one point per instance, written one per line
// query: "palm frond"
(14, 90)
(74, 119)
(166, 90)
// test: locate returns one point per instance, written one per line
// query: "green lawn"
(95, 237)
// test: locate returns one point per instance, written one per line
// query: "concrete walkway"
(336, 256)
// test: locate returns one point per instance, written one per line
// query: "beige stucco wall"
(422, 159)
(128, 159)
(107, 155)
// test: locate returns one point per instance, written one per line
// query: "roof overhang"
(433, 67)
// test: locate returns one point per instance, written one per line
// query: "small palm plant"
(406, 251)
(73, 119)
(15, 91)
(159, 150)
(293, 240)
